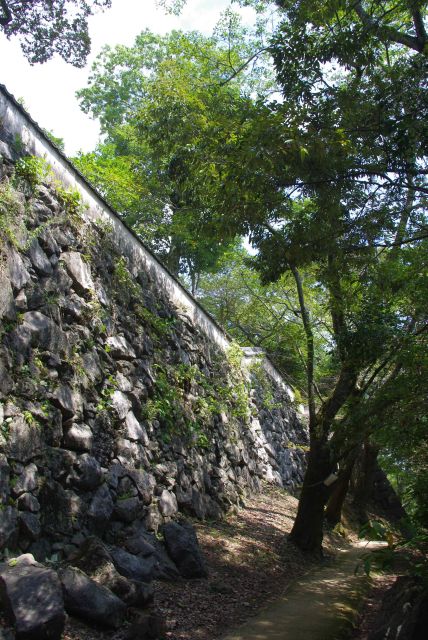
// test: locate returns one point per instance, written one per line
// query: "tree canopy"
(328, 182)
(46, 28)
(142, 94)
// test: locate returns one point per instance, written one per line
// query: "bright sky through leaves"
(48, 89)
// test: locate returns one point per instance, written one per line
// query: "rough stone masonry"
(119, 408)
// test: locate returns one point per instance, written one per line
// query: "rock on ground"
(31, 597)
(86, 599)
(182, 545)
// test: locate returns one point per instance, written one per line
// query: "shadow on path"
(323, 605)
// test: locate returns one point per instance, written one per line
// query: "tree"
(165, 86)
(266, 316)
(45, 27)
(378, 185)
(330, 186)
(331, 180)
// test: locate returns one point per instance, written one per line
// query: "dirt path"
(322, 605)
(250, 566)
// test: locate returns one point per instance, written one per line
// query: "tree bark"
(363, 485)
(307, 531)
(333, 512)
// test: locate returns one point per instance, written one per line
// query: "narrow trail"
(322, 605)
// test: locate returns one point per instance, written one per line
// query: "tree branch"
(309, 344)
(389, 32)
(418, 21)
(310, 358)
(243, 65)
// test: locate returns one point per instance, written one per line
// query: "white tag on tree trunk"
(330, 479)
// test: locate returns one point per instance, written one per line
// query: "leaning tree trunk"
(333, 512)
(307, 531)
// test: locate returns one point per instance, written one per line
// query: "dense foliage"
(328, 182)
(175, 84)
(46, 28)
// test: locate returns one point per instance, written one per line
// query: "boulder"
(48, 242)
(144, 544)
(130, 566)
(78, 438)
(128, 509)
(87, 473)
(167, 503)
(39, 259)
(28, 502)
(68, 400)
(29, 524)
(60, 462)
(4, 476)
(31, 597)
(61, 509)
(8, 527)
(131, 455)
(120, 348)
(120, 403)
(44, 333)
(78, 271)
(100, 508)
(86, 599)
(92, 365)
(183, 547)
(94, 559)
(24, 441)
(134, 430)
(7, 304)
(6, 382)
(18, 274)
(27, 481)
(145, 484)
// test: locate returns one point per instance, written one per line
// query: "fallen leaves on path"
(249, 564)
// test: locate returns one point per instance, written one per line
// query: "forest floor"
(250, 566)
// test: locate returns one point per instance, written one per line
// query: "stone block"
(183, 547)
(31, 597)
(78, 271)
(86, 599)
(133, 567)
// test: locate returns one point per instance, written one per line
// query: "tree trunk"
(365, 468)
(333, 512)
(307, 531)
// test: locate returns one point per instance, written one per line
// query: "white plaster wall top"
(18, 129)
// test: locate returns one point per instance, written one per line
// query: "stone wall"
(121, 401)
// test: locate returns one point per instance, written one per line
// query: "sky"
(48, 90)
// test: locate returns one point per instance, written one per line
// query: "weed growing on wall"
(110, 386)
(177, 415)
(124, 282)
(97, 316)
(185, 400)
(161, 326)
(238, 390)
(260, 380)
(11, 209)
(70, 199)
(31, 171)
(18, 143)
(5, 428)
